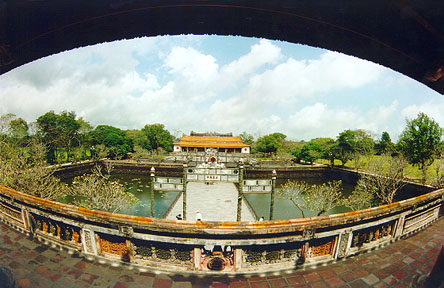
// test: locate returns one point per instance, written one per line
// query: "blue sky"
(222, 84)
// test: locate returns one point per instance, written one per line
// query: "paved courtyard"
(216, 202)
(37, 265)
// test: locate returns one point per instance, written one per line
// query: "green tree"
(247, 138)
(385, 144)
(267, 144)
(116, 141)
(355, 143)
(340, 152)
(309, 153)
(58, 130)
(69, 127)
(317, 148)
(270, 143)
(420, 142)
(18, 129)
(49, 132)
(155, 136)
(84, 138)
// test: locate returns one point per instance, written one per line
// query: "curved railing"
(216, 247)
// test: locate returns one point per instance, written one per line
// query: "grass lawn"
(411, 172)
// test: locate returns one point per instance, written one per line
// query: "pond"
(284, 208)
(139, 185)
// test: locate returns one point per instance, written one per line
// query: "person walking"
(198, 216)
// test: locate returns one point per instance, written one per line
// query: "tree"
(83, 137)
(383, 180)
(155, 136)
(317, 148)
(309, 153)
(247, 138)
(355, 143)
(58, 131)
(267, 144)
(18, 129)
(359, 199)
(420, 142)
(69, 127)
(316, 198)
(340, 152)
(97, 191)
(385, 144)
(270, 143)
(116, 141)
(4, 123)
(25, 170)
(49, 133)
(438, 182)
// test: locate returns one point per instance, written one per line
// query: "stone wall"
(216, 247)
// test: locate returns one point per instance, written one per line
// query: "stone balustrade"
(216, 247)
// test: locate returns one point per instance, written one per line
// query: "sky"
(219, 84)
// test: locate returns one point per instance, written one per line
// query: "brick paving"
(35, 265)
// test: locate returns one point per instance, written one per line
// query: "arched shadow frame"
(406, 36)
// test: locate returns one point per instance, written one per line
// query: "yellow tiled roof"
(211, 141)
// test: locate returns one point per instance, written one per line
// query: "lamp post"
(184, 191)
(273, 184)
(240, 190)
(153, 174)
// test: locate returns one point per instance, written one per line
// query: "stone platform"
(34, 264)
(216, 202)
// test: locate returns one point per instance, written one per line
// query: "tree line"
(70, 138)
(420, 144)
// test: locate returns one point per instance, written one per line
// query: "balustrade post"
(399, 228)
(344, 243)
(152, 190)
(196, 258)
(240, 190)
(184, 191)
(273, 184)
(238, 259)
(27, 220)
(89, 241)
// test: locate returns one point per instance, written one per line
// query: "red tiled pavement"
(36, 265)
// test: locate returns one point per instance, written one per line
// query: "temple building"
(220, 143)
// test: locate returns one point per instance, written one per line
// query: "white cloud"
(433, 110)
(173, 80)
(191, 64)
(319, 120)
(293, 80)
(260, 54)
